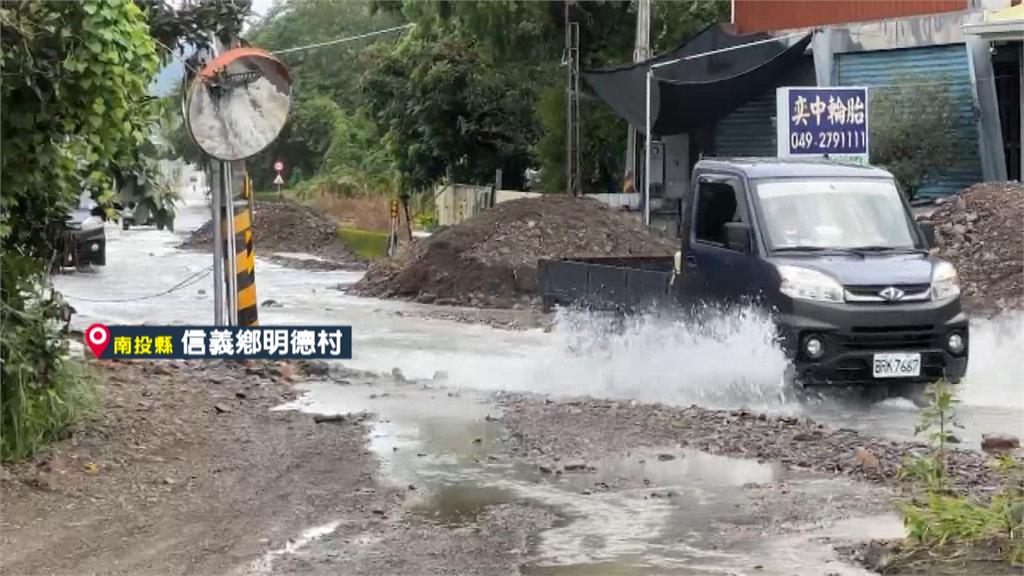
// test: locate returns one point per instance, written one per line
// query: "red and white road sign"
(278, 166)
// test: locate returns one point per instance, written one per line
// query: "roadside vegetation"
(471, 87)
(945, 527)
(75, 116)
(369, 245)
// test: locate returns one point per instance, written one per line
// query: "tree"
(149, 184)
(75, 115)
(187, 25)
(73, 76)
(326, 80)
(900, 114)
(444, 107)
(607, 36)
(473, 87)
(355, 163)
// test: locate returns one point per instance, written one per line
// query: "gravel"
(286, 226)
(582, 430)
(981, 231)
(491, 260)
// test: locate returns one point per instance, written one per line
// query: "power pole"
(573, 186)
(641, 52)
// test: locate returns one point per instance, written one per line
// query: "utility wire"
(180, 285)
(341, 40)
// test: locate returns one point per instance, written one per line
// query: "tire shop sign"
(829, 122)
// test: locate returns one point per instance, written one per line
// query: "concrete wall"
(457, 202)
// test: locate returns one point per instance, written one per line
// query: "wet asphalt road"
(421, 433)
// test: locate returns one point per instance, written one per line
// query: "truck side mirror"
(928, 229)
(737, 236)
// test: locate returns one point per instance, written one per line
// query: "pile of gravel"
(490, 260)
(285, 226)
(981, 231)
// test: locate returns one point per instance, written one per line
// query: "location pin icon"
(97, 337)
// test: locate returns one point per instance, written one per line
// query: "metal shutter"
(750, 129)
(942, 63)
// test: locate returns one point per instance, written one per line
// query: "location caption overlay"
(219, 342)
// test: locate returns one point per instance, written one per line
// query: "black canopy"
(701, 90)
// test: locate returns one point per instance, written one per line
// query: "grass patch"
(367, 244)
(34, 414)
(948, 526)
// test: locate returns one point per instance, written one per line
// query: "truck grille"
(884, 338)
(875, 293)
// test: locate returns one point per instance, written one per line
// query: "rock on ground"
(580, 429)
(491, 260)
(286, 226)
(981, 231)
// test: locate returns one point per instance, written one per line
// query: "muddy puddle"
(669, 510)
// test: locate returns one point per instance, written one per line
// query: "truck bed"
(609, 283)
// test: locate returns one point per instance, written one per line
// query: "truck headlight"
(807, 284)
(92, 223)
(945, 281)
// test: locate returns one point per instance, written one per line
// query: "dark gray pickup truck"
(829, 249)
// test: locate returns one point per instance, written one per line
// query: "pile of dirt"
(491, 260)
(285, 226)
(981, 231)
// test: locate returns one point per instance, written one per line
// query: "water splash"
(723, 359)
(996, 366)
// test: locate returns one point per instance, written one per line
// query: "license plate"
(896, 365)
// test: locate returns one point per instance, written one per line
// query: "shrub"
(913, 131)
(945, 522)
(42, 391)
(73, 107)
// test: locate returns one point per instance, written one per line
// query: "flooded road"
(670, 510)
(639, 512)
(651, 360)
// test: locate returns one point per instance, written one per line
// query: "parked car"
(831, 251)
(83, 240)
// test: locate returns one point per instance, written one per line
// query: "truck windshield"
(820, 214)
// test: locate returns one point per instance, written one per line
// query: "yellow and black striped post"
(245, 258)
(393, 237)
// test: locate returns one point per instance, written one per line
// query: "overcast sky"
(260, 7)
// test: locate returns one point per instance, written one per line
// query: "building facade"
(888, 45)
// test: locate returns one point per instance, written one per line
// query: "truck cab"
(829, 249)
(833, 251)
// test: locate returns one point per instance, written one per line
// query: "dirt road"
(188, 471)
